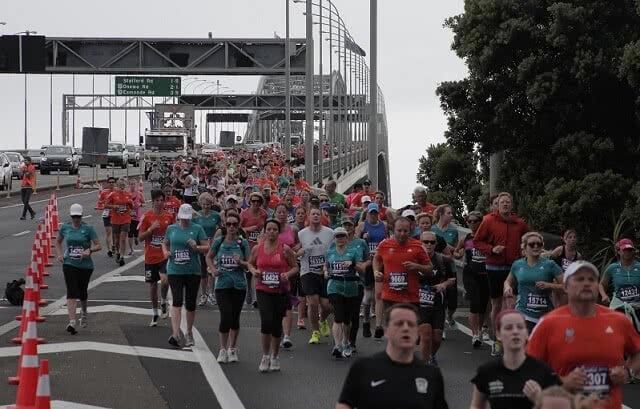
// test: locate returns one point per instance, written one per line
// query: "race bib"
(399, 281)
(427, 296)
(106, 213)
(597, 381)
(253, 235)
(372, 248)
(629, 293)
(182, 256)
(156, 240)
(291, 219)
(122, 209)
(537, 302)
(316, 262)
(75, 252)
(271, 279)
(228, 262)
(338, 268)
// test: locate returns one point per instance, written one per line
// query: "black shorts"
(152, 271)
(369, 280)
(296, 286)
(117, 228)
(496, 282)
(106, 221)
(77, 281)
(203, 266)
(314, 284)
(344, 308)
(478, 293)
(433, 317)
(133, 229)
(184, 288)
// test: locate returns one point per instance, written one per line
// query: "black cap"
(367, 182)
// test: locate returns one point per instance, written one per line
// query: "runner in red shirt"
(585, 343)
(120, 204)
(171, 203)
(420, 197)
(152, 229)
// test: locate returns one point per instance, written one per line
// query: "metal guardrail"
(340, 165)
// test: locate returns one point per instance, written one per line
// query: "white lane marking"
(22, 233)
(87, 216)
(117, 279)
(46, 200)
(132, 350)
(9, 326)
(220, 385)
(111, 308)
(61, 404)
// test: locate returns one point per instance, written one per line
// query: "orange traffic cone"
(35, 266)
(43, 391)
(28, 305)
(28, 367)
(55, 221)
(36, 295)
(37, 262)
(42, 257)
(44, 246)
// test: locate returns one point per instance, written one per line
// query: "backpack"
(14, 293)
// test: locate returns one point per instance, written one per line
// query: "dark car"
(36, 156)
(60, 158)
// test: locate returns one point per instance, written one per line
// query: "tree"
(554, 85)
(451, 177)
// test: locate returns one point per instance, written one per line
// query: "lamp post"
(373, 78)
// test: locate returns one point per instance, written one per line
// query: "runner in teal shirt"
(183, 259)
(625, 275)
(209, 220)
(343, 279)
(226, 255)
(77, 240)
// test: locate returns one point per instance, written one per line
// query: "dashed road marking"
(22, 233)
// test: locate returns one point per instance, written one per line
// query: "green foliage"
(555, 85)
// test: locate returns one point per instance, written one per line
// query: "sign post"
(148, 86)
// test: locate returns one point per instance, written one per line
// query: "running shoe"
(347, 351)
(223, 358)
(154, 321)
(366, 329)
(496, 349)
(325, 331)
(315, 337)
(109, 253)
(379, 333)
(361, 311)
(84, 320)
(433, 361)
(264, 363)
(485, 333)
(354, 350)
(211, 299)
(274, 364)
(71, 328)
(203, 300)
(452, 324)
(336, 352)
(174, 342)
(135, 240)
(444, 334)
(301, 323)
(476, 342)
(117, 257)
(23, 218)
(189, 342)
(255, 304)
(286, 342)
(232, 355)
(121, 261)
(163, 309)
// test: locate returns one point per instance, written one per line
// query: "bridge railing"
(340, 165)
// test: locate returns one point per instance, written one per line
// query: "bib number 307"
(597, 381)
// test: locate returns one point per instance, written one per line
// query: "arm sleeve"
(144, 224)
(350, 392)
(480, 382)
(440, 402)
(201, 234)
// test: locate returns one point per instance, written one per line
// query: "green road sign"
(148, 86)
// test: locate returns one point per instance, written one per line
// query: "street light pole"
(309, 105)
(287, 89)
(320, 104)
(373, 78)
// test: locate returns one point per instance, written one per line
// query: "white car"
(209, 149)
(6, 172)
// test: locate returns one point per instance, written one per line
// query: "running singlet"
(376, 232)
(77, 241)
(270, 267)
(122, 213)
(153, 244)
(474, 257)
(247, 219)
(172, 205)
(183, 259)
(138, 202)
(534, 302)
(315, 245)
(565, 342)
(428, 296)
(230, 273)
(287, 236)
(400, 284)
(626, 283)
(563, 261)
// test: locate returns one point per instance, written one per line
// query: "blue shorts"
(106, 221)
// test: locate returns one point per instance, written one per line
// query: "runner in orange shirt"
(171, 203)
(152, 229)
(106, 213)
(26, 184)
(586, 344)
(120, 204)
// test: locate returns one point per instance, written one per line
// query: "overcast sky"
(414, 57)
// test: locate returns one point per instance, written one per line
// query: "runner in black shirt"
(394, 378)
(515, 380)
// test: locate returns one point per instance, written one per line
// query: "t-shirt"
(565, 341)
(626, 283)
(28, 180)
(247, 219)
(343, 280)
(399, 284)
(450, 235)
(338, 199)
(503, 387)
(315, 245)
(209, 223)
(534, 302)
(231, 274)
(122, 213)
(76, 241)
(183, 259)
(153, 244)
(172, 205)
(377, 382)
(102, 199)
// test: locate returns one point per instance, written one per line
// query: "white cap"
(577, 266)
(366, 199)
(75, 210)
(408, 213)
(185, 212)
(232, 197)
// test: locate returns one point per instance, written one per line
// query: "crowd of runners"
(246, 229)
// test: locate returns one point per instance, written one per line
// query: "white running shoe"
(264, 363)
(274, 364)
(232, 355)
(203, 300)
(222, 356)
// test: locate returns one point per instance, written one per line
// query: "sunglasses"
(255, 201)
(324, 201)
(231, 224)
(341, 236)
(429, 241)
(76, 216)
(534, 244)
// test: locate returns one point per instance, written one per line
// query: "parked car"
(135, 154)
(60, 158)
(16, 160)
(117, 155)
(36, 156)
(5, 172)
